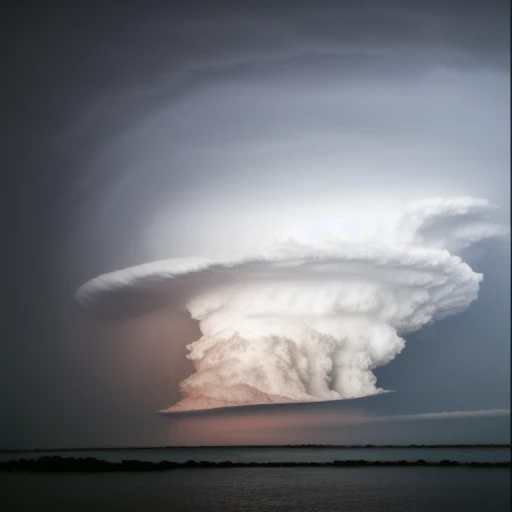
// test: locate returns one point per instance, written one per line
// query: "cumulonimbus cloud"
(309, 320)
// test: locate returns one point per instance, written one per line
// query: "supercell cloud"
(310, 317)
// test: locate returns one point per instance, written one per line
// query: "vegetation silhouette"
(59, 464)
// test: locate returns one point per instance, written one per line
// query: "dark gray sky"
(136, 132)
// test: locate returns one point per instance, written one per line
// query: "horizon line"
(305, 445)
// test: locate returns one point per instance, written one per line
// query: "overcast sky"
(136, 133)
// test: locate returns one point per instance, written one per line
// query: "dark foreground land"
(92, 465)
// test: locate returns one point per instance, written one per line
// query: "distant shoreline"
(288, 446)
(92, 465)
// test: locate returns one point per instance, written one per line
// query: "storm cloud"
(140, 132)
(308, 320)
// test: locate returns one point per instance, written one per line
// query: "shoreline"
(92, 465)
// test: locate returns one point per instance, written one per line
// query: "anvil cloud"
(309, 318)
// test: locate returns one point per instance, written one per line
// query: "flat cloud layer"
(309, 318)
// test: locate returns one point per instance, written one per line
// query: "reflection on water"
(262, 489)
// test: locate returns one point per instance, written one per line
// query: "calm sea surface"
(277, 454)
(263, 489)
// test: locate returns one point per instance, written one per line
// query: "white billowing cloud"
(310, 318)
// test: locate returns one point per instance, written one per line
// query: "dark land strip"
(92, 465)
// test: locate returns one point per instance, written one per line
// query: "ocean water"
(263, 489)
(279, 454)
